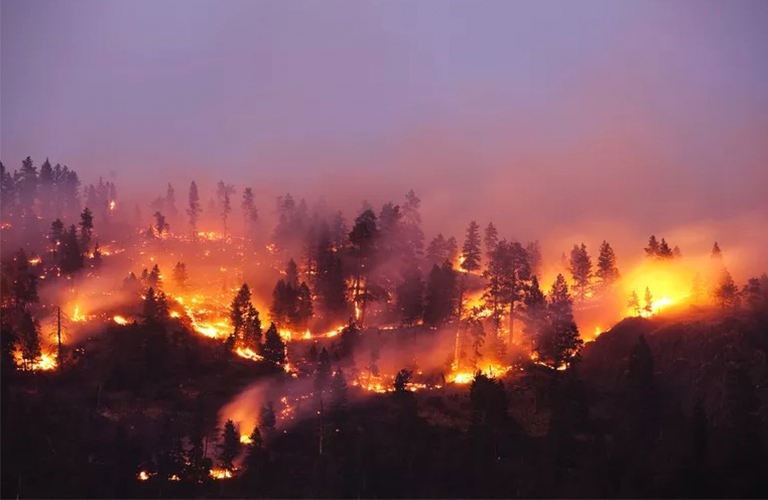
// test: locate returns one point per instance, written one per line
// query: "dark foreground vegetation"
(657, 408)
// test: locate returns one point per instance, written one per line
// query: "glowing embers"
(222, 474)
(120, 320)
(46, 362)
(467, 376)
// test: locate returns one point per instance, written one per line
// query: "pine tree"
(252, 329)
(274, 347)
(665, 252)
(230, 446)
(150, 306)
(193, 210)
(161, 226)
(440, 295)
(559, 344)
(471, 249)
(534, 257)
(607, 272)
(267, 419)
(652, 250)
(249, 210)
(86, 229)
(238, 314)
(223, 193)
(180, 275)
(534, 311)
(634, 303)
(437, 250)
(410, 296)
(490, 239)
(71, 254)
(580, 267)
(726, 290)
(27, 187)
(29, 340)
(648, 308)
(717, 254)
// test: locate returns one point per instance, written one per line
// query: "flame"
(221, 473)
(76, 316)
(34, 261)
(248, 353)
(467, 376)
(245, 439)
(120, 320)
(112, 205)
(143, 475)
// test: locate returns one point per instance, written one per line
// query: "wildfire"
(143, 475)
(34, 261)
(112, 205)
(120, 320)
(466, 377)
(248, 353)
(656, 307)
(221, 474)
(76, 316)
(245, 439)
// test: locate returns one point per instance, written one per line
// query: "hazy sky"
(568, 113)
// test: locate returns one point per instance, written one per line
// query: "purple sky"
(651, 112)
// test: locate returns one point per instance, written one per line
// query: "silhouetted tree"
(580, 266)
(29, 340)
(648, 307)
(490, 239)
(726, 290)
(180, 275)
(471, 249)
(558, 345)
(440, 295)
(86, 229)
(634, 303)
(274, 347)
(652, 250)
(410, 296)
(607, 272)
(161, 226)
(229, 447)
(193, 208)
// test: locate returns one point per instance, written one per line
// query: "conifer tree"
(634, 303)
(180, 275)
(471, 249)
(490, 239)
(648, 308)
(580, 266)
(193, 209)
(86, 229)
(229, 447)
(410, 296)
(652, 250)
(29, 340)
(274, 347)
(607, 272)
(726, 290)
(559, 344)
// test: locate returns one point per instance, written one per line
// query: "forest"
(213, 343)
